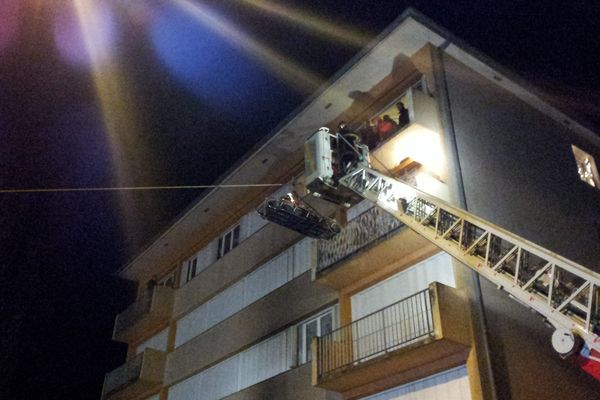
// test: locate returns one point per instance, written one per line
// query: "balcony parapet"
(418, 336)
(369, 228)
(138, 376)
(148, 314)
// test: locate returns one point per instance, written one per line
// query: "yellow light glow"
(314, 23)
(423, 146)
(90, 24)
(432, 186)
(110, 84)
(289, 71)
(417, 143)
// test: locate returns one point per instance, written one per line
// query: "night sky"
(149, 94)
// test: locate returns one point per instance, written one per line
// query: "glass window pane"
(188, 275)
(326, 324)
(300, 344)
(310, 332)
(220, 249)
(228, 237)
(236, 236)
(194, 264)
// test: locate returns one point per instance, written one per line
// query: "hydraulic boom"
(565, 293)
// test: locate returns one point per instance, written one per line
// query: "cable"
(135, 188)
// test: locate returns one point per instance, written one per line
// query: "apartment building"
(229, 304)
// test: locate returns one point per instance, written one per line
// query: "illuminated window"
(392, 119)
(228, 241)
(586, 167)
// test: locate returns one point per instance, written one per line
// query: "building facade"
(229, 305)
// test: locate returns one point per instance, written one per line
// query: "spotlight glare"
(287, 70)
(313, 23)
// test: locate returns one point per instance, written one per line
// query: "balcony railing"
(134, 312)
(391, 328)
(123, 375)
(138, 375)
(149, 312)
(370, 227)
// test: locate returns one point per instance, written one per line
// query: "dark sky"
(164, 100)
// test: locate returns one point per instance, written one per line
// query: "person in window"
(403, 118)
(376, 123)
(386, 127)
(368, 134)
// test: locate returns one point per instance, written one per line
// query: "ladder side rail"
(502, 233)
(540, 303)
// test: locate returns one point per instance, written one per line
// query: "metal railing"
(368, 228)
(123, 375)
(391, 328)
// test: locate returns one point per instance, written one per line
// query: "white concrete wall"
(256, 364)
(270, 276)
(448, 385)
(156, 342)
(403, 284)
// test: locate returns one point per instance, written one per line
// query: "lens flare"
(73, 39)
(313, 23)
(287, 70)
(128, 151)
(208, 65)
(140, 12)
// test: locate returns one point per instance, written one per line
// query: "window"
(392, 119)
(586, 167)
(228, 241)
(168, 280)
(191, 269)
(385, 124)
(320, 325)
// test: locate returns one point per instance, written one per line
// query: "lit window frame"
(586, 167)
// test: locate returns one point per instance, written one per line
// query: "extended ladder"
(565, 293)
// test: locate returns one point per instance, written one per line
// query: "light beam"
(313, 23)
(118, 109)
(286, 69)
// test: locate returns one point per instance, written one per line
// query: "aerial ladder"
(565, 293)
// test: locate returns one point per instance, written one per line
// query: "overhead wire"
(135, 188)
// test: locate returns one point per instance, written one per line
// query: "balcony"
(372, 240)
(415, 136)
(411, 147)
(137, 377)
(150, 313)
(416, 337)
